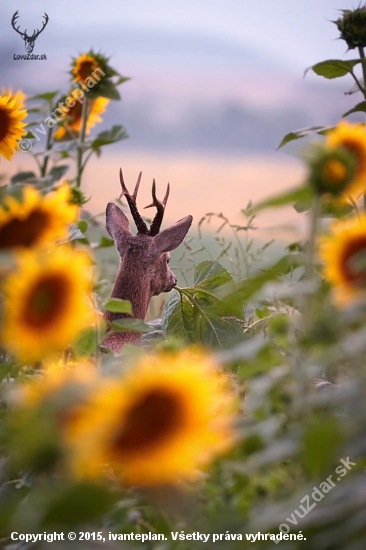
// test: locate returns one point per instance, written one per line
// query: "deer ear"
(118, 225)
(171, 238)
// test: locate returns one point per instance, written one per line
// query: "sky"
(215, 84)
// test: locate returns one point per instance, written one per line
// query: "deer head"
(28, 40)
(143, 271)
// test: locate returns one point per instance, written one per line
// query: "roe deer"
(143, 270)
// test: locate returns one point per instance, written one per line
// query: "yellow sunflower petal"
(73, 118)
(11, 126)
(37, 220)
(344, 255)
(166, 418)
(352, 137)
(47, 302)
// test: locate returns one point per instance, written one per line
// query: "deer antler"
(13, 21)
(37, 33)
(131, 199)
(160, 206)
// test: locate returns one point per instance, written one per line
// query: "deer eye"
(167, 260)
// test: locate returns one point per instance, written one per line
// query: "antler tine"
(160, 206)
(44, 23)
(14, 21)
(131, 199)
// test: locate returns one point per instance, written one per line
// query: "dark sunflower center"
(46, 301)
(86, 69)
(4, 123)
(25, 232)
(354, 261)
(150, 422)
(74, 113)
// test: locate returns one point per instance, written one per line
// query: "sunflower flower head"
(93, 72)
(46, 302)
(351, 138)
(12, 127)
(352, 26)
(344, 255)
(72, 117)
(36, 219)
(168, 417)
(78, 197)
(332, 170)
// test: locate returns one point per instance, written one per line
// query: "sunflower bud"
(352, 27)
(77, 197)
(332, 170)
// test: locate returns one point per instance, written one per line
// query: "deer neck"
(135, 287)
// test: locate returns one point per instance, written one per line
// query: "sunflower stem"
(310, 255)
(46, 156)
(361, 51)
(84, 120)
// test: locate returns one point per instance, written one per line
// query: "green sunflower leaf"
(131, 325)
(333, 68)
(116, 133)
(47, 96)
(82, 225)
(105, 242)
(22, 177)
(57, 172)
(359, 108)
(302, 194)
(303, 132)
(118, 306)
(200, 314)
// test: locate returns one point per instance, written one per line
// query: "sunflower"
(73, 119)
(168, 416)
(332, 170)
(47, 302)
(11, 126)
(37, 220)
(344, 256)
(84, 66)
(352, 138)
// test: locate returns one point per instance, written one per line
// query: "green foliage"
(116, 133)
(200, 314)
(334, 68)
(359, 108)
(118, 306)
(302, 194)
(298, 134)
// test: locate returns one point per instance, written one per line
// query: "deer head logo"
(28, 40)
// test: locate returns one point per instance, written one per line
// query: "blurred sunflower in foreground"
(73, 118)
(169, 416)
(37, 219)
(47, 302)
(344, 256)
(352, 139)
(11, 126)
